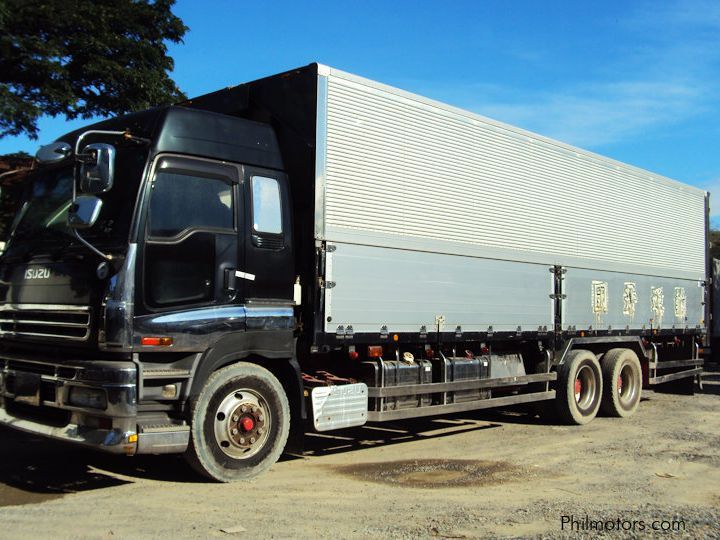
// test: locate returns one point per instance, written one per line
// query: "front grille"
(49, 416)
(52, 322)
(41, 368)
(48, 389)
(31, 367)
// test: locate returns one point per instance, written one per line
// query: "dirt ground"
(498, 474)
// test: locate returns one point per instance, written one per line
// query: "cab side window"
(181, 203)
(266, 213)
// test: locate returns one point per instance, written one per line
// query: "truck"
(314, 251)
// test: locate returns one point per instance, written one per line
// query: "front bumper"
(35, 397)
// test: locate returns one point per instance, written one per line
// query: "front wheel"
(579, 387)
(240, 423)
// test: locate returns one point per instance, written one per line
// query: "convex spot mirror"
(84, 211)
(97, 168)
(53, 152)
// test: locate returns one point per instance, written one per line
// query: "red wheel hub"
(578, 388)
(619, 384)
(247, 423)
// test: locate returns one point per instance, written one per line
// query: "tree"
(82, 58)
(715, 243)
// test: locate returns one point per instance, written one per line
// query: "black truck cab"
(193, 261)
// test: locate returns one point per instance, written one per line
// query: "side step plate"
(341, 406)
(404, 414)
(163, 439)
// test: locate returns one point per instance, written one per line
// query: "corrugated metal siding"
(402, 168)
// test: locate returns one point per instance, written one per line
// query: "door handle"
(229, 279)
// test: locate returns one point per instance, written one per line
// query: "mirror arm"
(91, 247)
(84, 158)
(126, 134)
(137, 140)
(96, 132)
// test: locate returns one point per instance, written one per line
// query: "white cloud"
(698, 14)
(598, 114)
(669, 77)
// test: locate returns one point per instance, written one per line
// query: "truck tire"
(579, 388)
(239, 423)
(622, 383)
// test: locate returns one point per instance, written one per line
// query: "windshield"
(41, 222)
(47, 207)
(12, 188)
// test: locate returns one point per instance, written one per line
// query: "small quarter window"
(181, 202)
(267, 214)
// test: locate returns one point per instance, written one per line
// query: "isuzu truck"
(316, 251)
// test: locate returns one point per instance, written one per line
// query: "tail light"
(375, 351)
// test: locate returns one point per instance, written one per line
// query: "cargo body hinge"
(557, 296)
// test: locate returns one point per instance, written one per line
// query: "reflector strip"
(156, 341)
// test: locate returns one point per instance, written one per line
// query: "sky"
(636, 81)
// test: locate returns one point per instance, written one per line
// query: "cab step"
(162, 438)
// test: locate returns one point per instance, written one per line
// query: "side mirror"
(98, 168)
(84, 211)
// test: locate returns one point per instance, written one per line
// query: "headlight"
(92, 398)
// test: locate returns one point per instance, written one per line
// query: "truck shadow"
(34, 469)
(386, 434)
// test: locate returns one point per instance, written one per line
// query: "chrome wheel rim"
(627, 385)
(242, 424)
(585, 384)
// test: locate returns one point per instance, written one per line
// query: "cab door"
(192, 228)
(269, 264)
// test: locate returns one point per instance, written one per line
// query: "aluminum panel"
(341, 406)
(715, 298)
(320, 157)
(603, 300)
(405, 290)
(398, 167)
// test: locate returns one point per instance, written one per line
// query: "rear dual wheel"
(580, 387)
(586, 386)
(622, 378)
